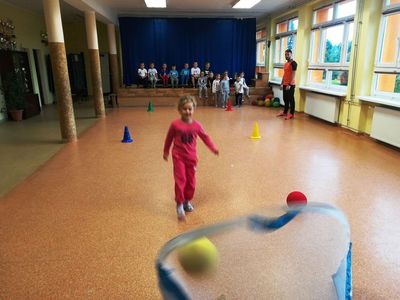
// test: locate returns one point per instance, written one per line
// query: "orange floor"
(90, 222)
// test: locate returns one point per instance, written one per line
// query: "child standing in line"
(185, 74)
(225, 90)
(183, 133)
(164, 75)
(202, 83)
(210, 79)
(174, 75)
(216, 89)
(246, 90)
(207, 72)
(238, 91)
(152, 75)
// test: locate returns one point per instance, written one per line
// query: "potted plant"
(13, 89)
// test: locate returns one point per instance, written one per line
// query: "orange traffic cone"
(229, 106)
(256, 132)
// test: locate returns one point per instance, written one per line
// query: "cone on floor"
(229, 106)
(127, 136)
(256, 132)
(150, 107)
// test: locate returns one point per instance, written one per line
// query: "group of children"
(202, 79)
(151, 76)
(221, 89)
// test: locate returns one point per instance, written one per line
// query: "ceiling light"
(156, 3)
(246, 3)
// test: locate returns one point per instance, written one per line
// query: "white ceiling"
(190, 8)
(175, 8)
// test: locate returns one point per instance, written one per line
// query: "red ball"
(296, 199)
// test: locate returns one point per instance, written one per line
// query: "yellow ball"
(198, 257)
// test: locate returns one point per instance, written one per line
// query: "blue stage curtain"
(228, 44)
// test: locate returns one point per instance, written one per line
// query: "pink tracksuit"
(184, 156)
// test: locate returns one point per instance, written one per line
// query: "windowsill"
(323, 91)
(378, 100)
(275, 82)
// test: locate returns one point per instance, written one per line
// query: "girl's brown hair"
(186, 99)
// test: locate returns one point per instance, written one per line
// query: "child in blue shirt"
(174, 76)
(185, 75)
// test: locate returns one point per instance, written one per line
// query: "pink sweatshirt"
(184, 136)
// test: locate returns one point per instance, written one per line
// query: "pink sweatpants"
(185, 180)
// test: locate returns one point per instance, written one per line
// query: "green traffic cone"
(150, 107)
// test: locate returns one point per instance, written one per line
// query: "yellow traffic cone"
(256, 133)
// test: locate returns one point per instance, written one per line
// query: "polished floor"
(27, 145)
(89, 223)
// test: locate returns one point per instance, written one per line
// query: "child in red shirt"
(183, 132)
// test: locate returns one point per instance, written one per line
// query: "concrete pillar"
(303, 40)
(358, 115)
(113, 58)
(94, 59)
(60, 69)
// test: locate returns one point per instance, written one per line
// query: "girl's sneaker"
(188, 206)
(180, 212)
(289, 116)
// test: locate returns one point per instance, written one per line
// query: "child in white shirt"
(142, 75)
(195, 73)
(216, 90)
(238, 91)
(152, 75)
(246, 89)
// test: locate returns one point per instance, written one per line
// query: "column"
(60, 69)
(303, 39)
(94, 59)
(113, 58)
(356, 115)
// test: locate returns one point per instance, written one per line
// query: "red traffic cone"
(229, 106)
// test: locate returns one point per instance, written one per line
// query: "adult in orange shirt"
(288, 85)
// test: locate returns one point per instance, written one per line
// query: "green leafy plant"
(13, 89)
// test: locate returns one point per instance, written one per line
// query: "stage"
(133, 96)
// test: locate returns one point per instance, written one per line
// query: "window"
(261, 53)
(331, 44)
(285, 38)
(387, 64)
(261, 36)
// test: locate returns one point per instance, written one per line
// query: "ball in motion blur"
(296, 199)
(198, 257)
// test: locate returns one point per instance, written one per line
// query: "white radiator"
(322, 106)
(386, 126)
(278, 93)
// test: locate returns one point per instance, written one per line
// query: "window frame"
(343, 64)
(277, 64)
(258, 41)
(265, 53)
(343, 52)
(386, 68)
